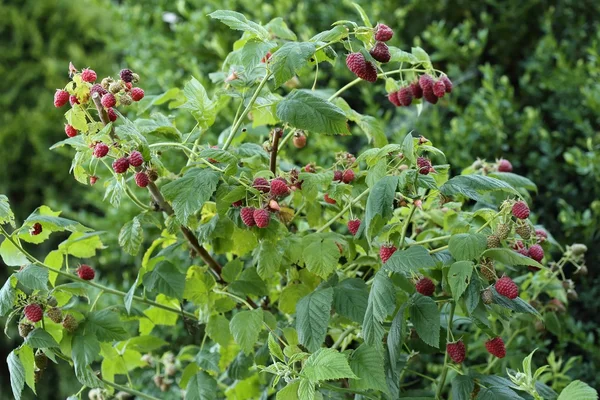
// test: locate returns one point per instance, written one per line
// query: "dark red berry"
(381, 52)
(425, 286)
(112, 115)
(520, 210)
(33, 312)
(457, 351)
(61, 97)
(141, 179)
(416, 90)
(360, 67)
(405, 96)
(496, 347)
(353, 226)
(137, 94)
(93, 179)
(386, 251)
(262, 185)
(439, 89)
(121, 165)
(86, 272)
(261, 217)
(329, 199)
(247, 215)
(507, 288)
(338, 176)
(136, 159)
(424, 165)
(88, 75)
(100, 150)
(279, 188)
(541, 235)
(126, 75)
(383, 33)
(73, 100)
(447, 83)
(348, 176)
(237, 203)
(97, 88)
(35, 229)
(108, 100)
(70, 131)
(504, 166)
(536, 252)
(393, 98)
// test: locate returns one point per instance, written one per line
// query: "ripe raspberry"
(97, 88)
(487, 269)
(536, 252)
(112, 115)
(86, 272)
(25, 329)
(487, 296)
(386, 251)
(266, 58)
(100, 150)
(70, 131)
(108, 100)
(55, 314)
(496, 347)
(541, 235)
(504, 166)
(128, 86)
(457, 351)
(424, 165)
(507, 288)
(405, 96)
(426, 83)
(493, 241)
(393, 98)
(73, 100)
(137, 94)
(136, 158)
(141, 179)
(299, 140)
(518, 245)
(416, 90)
(503, 231)
(279, 188)
(93, 179)
(381, 52)
(70, 323)
(33, 312)
(439, 89)
(430, 96)
(348, 176)
(338, 176)
(36, 229)
(61, 97)
(383, 33)
(88, 75)
(360, 67)
(237, 203)
(121, 165)
(329, 199)
(247, 215)
(353, 226)
(425, 286)
(262, 185)
(261, 217)
(447, 83)
(523, 230)
(126, 75)
(520, 210)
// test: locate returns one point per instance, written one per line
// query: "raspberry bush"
(377, 276)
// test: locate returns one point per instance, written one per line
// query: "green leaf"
(578, 390)
(497, 393)
(367, 364)
(76, 118)
(409, 260)
(278, 27)
(249, 283)
(245, 327)
(87, 377)
(312, 318)
(33, 277)
(165, 278)
(274, 347)
(382, 300)
(396, 337)
(408, 148)
(350, 299)
(232, 270)
(202, 108)
(82, 245)
(425, 316)
(290, 295)
(517, 305)
(472, 186)
(239, 22)
(131, 236)
(363, 15)
(6, 214)
(510, 257)
(217, 329)
(268, 256)
(190, 192)
(17, 374)
(303, 110)
(7, 297)
(306, 389)
(26, 356)
(421, 56)
(467, 246)
(290, 392)
(39, 338)
(85, 349)
(380, 202)
(514, 180)
(462, 387)
(11, 255)
(327, 364)
(459, 277)
(145, 344)
(289, 59)
(201, 387)
(106, 325)
(320, 254)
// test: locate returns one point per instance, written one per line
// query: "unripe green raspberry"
(578, 249)
(41, 361)
(487, 269)
(126, 99)
(70, 323)
(55, 314)
(25, 329)
(503, 231)
(105, 83)
(493, 241)
(115, 87)
(523, 229)
(487, 296)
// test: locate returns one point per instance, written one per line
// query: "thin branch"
(103, 114)
(277, 132)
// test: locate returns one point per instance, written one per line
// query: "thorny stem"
(440, 387)
(344, 210)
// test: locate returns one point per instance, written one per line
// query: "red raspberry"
(261, 217)
(541, 235)
(137, 94)
(338, 176)
(393, 98)
(262, 185)
(383, 33)
(86, 272)
(405, 96)
(309, 168)
(360, 67)
(237, 203)
(457, 351)
(93, 179)
(141, 179)
(97, 88)
(348, 176)
(70, 131)
(536, 252)
(108, 100)
(381, 52)
(126, 75)
(128, 86)
(426, 82)
(36, 229)
(61, 97)
(121, 165)
(523, 252)
(100, 150)
(266, 58)
(33, 312)
(507, 288)
(88, 75)
(73, 100)
(353, 226)
(416, 90)
(136, 159)
(424, 165)
(518, 245)
(447, 83)
(329, 199)
(439, 89)
(425, 286)
(386, 251)
(496, 347)
(112, 115)
(247, 214)
(504, 166)
(279, 188)
(520, 210)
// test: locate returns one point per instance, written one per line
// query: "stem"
(406, 224)
(440, 387)
(273, 165)
(343, 336)
(286, 139)
(344, 88)
(410, 371)
(238, 123)
(344, 390)
(348, 206)
(429, 240)
(438, 249)
(174, 144)
(96, 301)
(135, 200)
(129, 390)
(103, 114)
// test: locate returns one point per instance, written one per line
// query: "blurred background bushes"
(526, 72)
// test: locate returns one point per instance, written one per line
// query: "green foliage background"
(527, 76)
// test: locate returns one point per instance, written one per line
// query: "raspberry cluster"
(425, 87)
